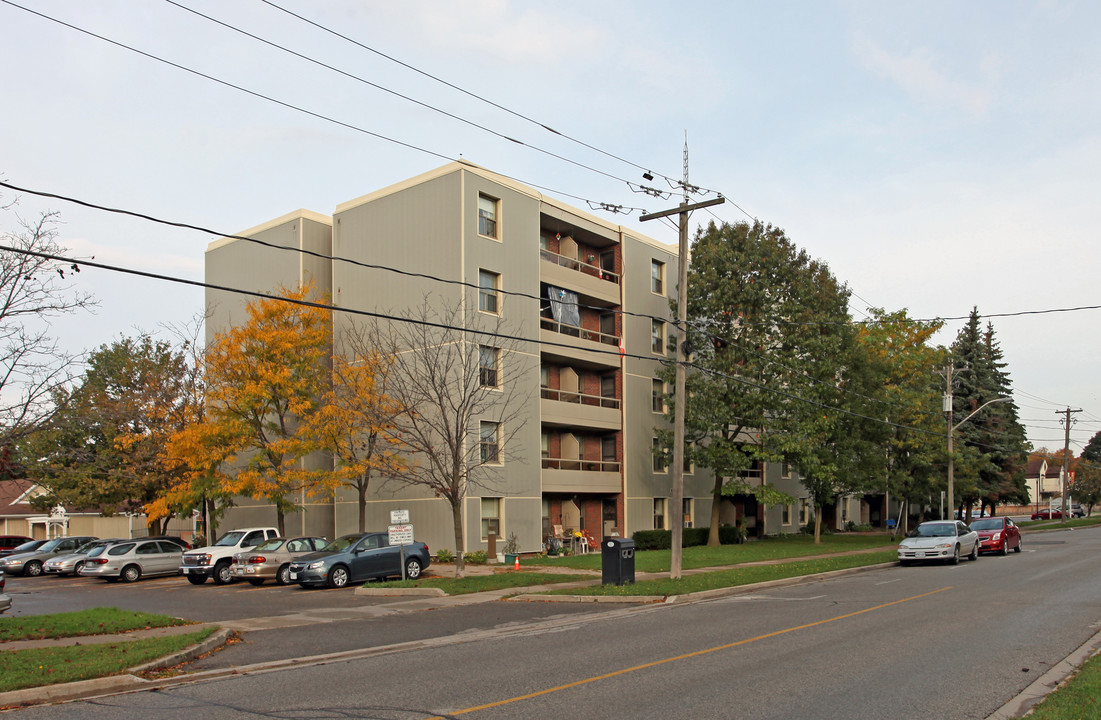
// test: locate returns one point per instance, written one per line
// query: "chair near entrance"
(576, 541)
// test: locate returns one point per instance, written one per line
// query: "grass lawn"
(700, 556)
(736, 576)
(33, 668)
(97, 621)
(1079, 698)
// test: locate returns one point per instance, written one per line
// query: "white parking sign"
(401, 534)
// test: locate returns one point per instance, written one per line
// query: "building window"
(804, 511)
(785, 514)
(689, 468)
(489, 296)
(607, 386)
(544, 376)
(659, 513)
(487, 216)
(844, 510)
(608, 452)
(657, 396)
(488, 362)
(490, 442)
(657, 337)
(657, 277)
(661, 464)
(785, 470)
(491, 517)
(687, 504)
(544, 444)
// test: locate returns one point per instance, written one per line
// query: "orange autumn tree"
(264, 380)
(355, 422)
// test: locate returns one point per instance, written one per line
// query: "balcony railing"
(550, 463)
(573, 397)
(578, 332)
(579, 266)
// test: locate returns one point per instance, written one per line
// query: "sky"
(938, 156)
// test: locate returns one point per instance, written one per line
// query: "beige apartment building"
(588, 304)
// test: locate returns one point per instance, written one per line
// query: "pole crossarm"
(681, 209)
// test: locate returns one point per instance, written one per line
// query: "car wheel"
(412, 569)
(256, 581)
(338, 577)
(222, 575)
(974, 552)
(1005, 548)
(955, 556)
(130, 573)
(1018, 548)
(196, 579)
(77, 567)
(283, 575)
(32, 569)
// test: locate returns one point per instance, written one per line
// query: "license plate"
(185, 571)
(294, 576)
(250, 570)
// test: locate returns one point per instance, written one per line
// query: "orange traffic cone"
(516, 565)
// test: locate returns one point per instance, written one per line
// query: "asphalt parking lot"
(175, 596)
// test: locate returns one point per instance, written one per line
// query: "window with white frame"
(491, 517)
(804, 511)
(490, 436)
(544, 444)
(661, 464)
(489, 296)
(657, 277)
(657, 337)
(489, 359)
(657, 396)
(487, 216)
(687, 505)
(785, 514)
(785, 470)
(659, 513)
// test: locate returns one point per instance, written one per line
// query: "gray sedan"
(131, 560)
(354, 558)
(271, 559)
(71, 564)
(30, 563)
(944, 540)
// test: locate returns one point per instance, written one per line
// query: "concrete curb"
(399, 592)
(1047, 683)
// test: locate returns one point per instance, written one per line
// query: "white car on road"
(944, 540)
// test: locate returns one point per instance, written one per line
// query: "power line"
(594, 204)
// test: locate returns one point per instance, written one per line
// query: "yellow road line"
(685, 656)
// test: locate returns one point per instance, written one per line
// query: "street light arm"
(979, 408)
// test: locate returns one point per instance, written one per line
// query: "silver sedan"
(271, 559)
(131, 560)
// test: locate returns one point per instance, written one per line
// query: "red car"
(997, 534)
(1047, 514)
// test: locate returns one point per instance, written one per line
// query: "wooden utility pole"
(676, 512)
(1066, 458)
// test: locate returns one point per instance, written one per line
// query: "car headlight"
(316, 565)
(944, 545)
(995, 536)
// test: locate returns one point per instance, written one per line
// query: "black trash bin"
(617, 561)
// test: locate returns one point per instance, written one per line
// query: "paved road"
(922, 642)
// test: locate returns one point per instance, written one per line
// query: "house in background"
(19, 517)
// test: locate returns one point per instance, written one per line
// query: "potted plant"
(512, 549)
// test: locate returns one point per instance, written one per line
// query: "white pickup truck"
(213, 561)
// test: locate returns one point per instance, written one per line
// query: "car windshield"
(28, 546)
(269, 545)
(96, 551)
(936, 530)
(342, 543)
(229, 539)
(987, 524)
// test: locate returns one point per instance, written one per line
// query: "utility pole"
(948, 372)
(1067, 422)
(676, 513)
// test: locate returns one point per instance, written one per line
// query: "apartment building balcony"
(577, 345)
(584, 277)
(571, 475)
(574, 409)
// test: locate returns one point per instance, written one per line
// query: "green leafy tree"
(103, 447)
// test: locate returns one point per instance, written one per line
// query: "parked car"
(1077, 511)
(132, 560)
(1048, 514)
(939, 540)
(27, 547)
(5, 600)
(8, 543)
(30, 562)
(170, 538)
(213, 561)
(71, 564)
(271, 559)
(997, 534)
(355, 558)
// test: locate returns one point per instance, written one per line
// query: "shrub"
(478, 557)
(445, 556)
(663, 539)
